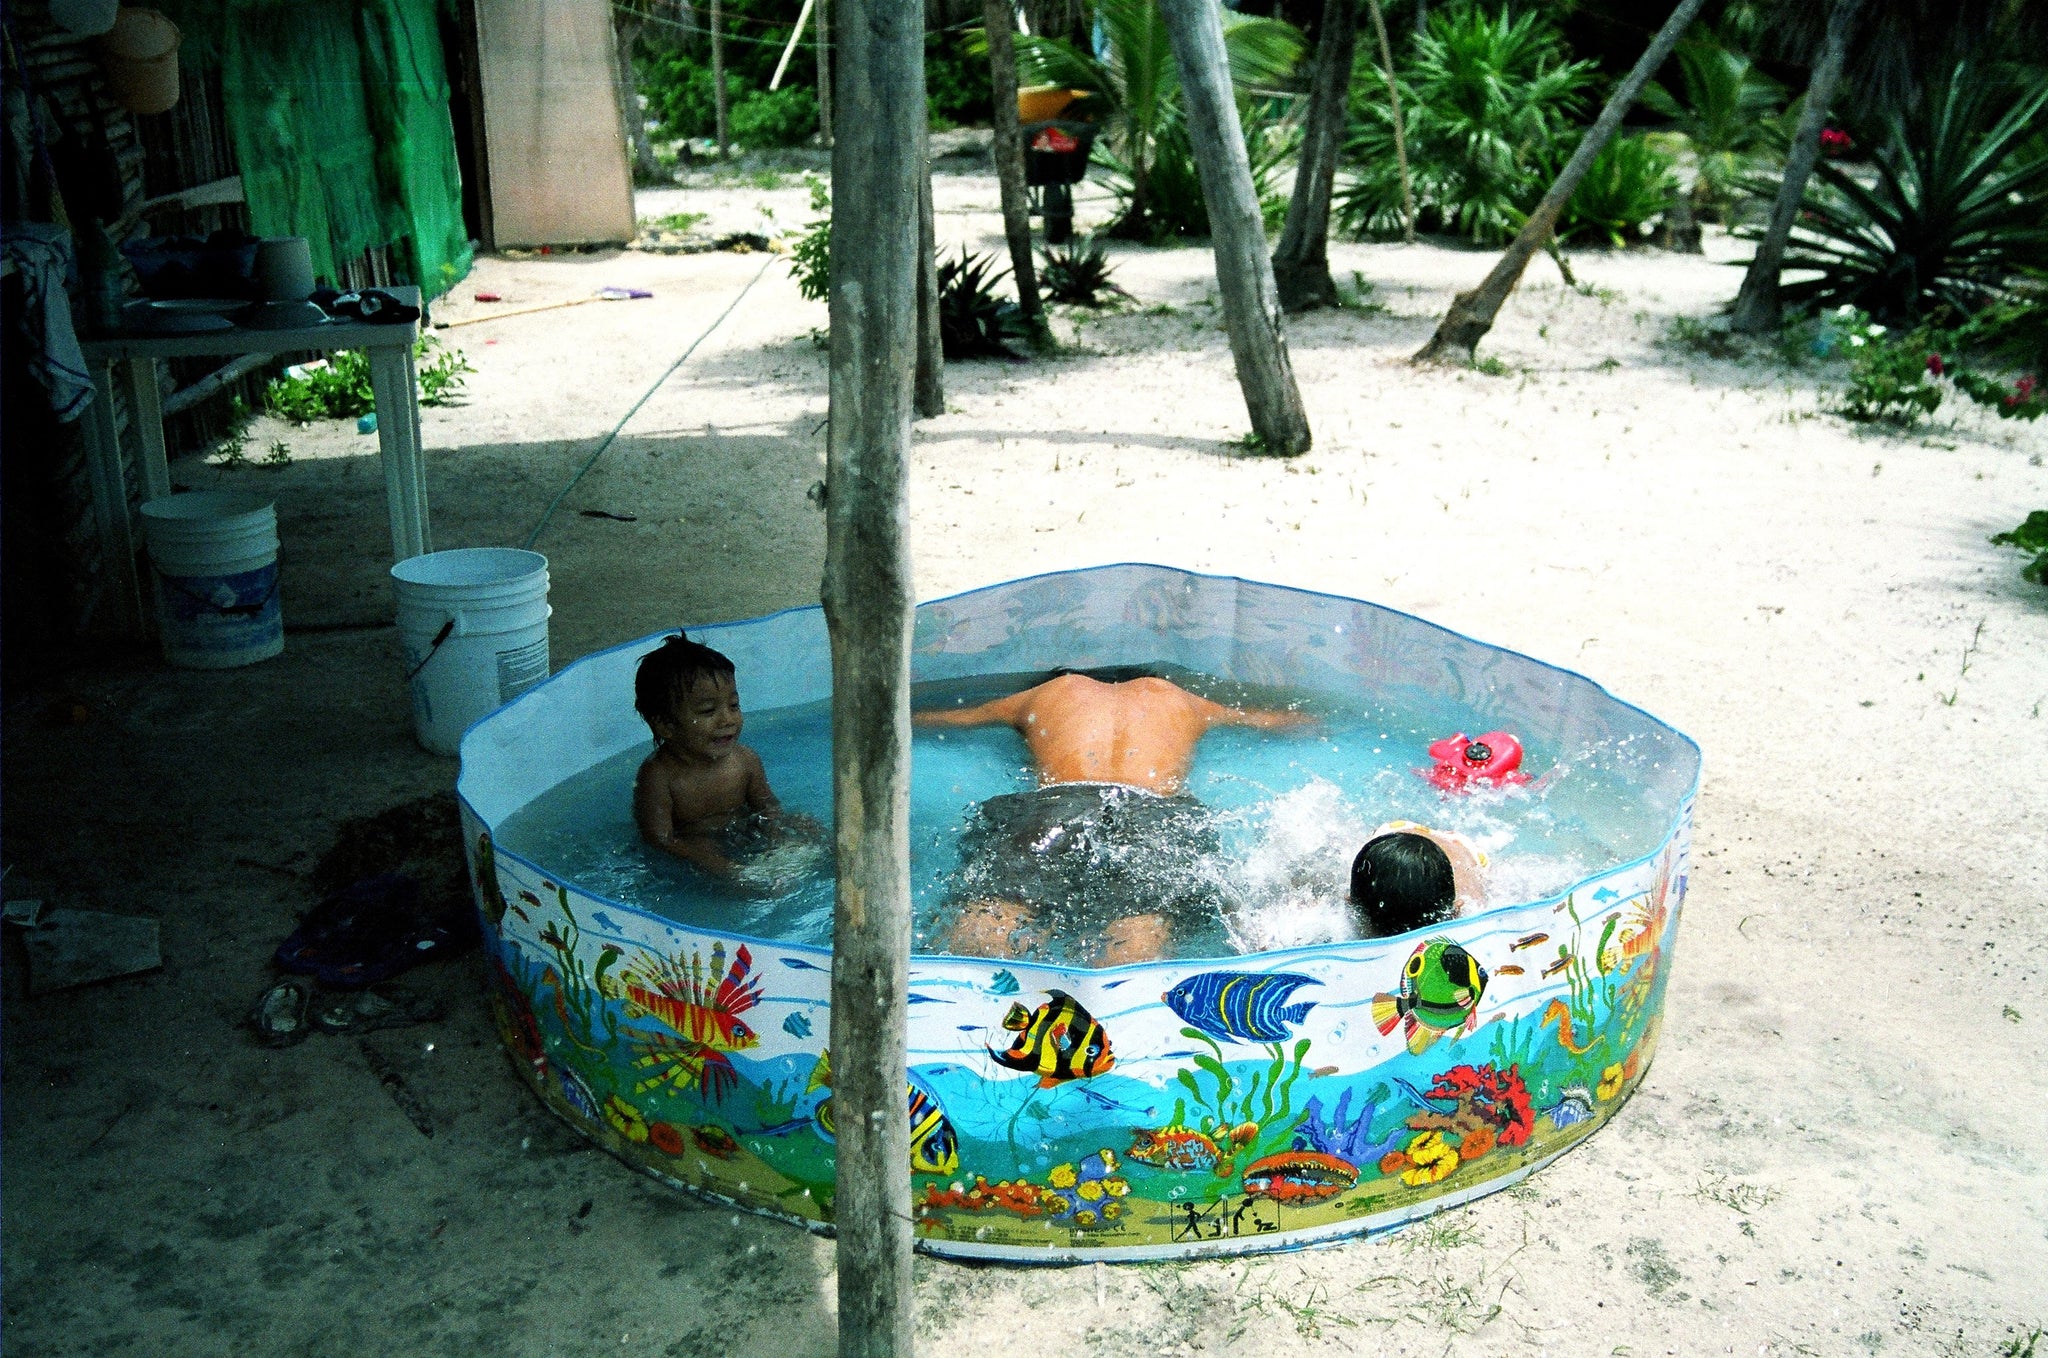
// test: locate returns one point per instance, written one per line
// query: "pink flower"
(1835, 142)
(1935, 365)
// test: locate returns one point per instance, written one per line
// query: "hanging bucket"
(141, 51)
(215, 559)
(473, 625)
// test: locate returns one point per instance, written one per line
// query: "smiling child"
(700, 785)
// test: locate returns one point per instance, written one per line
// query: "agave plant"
(1727, 114)
(1960, 200)
(1145, 144)
(974, 320)
(1079, 274)
(1629, 185)
(1488, 100)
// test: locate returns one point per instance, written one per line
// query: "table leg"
(110, 503)
(145, 403)
(398, 441)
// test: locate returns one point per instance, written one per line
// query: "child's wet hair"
(1402, 881)
(668, 673)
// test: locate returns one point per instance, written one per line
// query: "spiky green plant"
(1488, 98)
(974, 320)
(1629, 186)
(1079, 274)
(1959, 203)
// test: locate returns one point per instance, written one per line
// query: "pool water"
(1292, 807)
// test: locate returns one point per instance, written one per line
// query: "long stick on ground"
(876, 167)
(1472, 313)
(1008, 151)
(1244, 276)
(1757, 311)
(1301, 262)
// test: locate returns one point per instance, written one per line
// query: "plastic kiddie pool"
(1278, 1115)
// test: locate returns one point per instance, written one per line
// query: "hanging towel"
(41, 254)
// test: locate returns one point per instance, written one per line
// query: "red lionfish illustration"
(702, 1010)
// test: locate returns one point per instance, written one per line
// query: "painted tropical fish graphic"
(1185, 1149)
(701, 1012)
(1058, 1041)
(1440, 991)
(934, 1147)
(1241, 1006)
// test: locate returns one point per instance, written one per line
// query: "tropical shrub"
(1079, 274)
(1725, 110)
(974, 320)
(1487, 102)
(1959, 202)
(2031, 536)
(1627, 188)
(340, 387)
(1144, 136)
(1174, 203)
(784, 117)
(956, 90)
(810, 257)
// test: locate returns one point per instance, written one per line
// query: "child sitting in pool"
(701, 796)
(1409, 877)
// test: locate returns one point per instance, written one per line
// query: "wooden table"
(131, 360)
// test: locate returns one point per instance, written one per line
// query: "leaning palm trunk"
(626, 28)
(1244, 276)
(1756, 310)
(997, 16)
(1472, 313)
(1379, 26)
(1301, 265)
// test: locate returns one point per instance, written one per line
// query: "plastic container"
(215, 559)
(473, 624)
(141, 51)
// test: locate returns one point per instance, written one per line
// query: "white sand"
(1838, 1150)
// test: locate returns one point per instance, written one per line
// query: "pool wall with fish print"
(1171, 1109)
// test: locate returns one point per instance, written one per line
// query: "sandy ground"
(1838, 1151)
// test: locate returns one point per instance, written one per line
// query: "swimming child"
(1409, 877)
(690, 794)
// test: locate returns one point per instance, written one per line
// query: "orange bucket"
(1043, 103)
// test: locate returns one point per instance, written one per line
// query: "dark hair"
(668, 673)
(1402, 881)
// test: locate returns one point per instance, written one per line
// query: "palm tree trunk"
(930, 398)
(1472, 313)
(1301, 264)
(824, 75)
(997, 16)
(718, 73)
(626, 29)
(1756, 310)
(1379, 26)
(867, 596)
(1244, 275)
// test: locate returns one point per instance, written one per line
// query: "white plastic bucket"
(215, 559)
(473, 625)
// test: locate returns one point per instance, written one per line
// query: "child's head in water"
(1402, 881)
(686, 693)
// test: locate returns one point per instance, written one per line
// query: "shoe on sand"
(280, 1013)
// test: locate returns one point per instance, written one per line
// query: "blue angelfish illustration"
(1003, 983)
(1242, 1006)
(797, 1024)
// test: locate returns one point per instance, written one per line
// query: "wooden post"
(718, 73)
(997, 17)
(1472, 313)
(1301, 263)
(824, 74)
(1756, 310)
(1244, 276)
(930, 392)
(876, 166)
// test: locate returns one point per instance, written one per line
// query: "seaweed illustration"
(587, 1022)
(1348, 1138)
(1266, 1100)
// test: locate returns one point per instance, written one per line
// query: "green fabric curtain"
(339, 114)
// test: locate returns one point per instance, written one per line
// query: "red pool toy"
(1491, 760)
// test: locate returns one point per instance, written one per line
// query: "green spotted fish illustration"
(1440, 991)
(1058, 1041)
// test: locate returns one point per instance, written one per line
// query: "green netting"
(339, 114)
